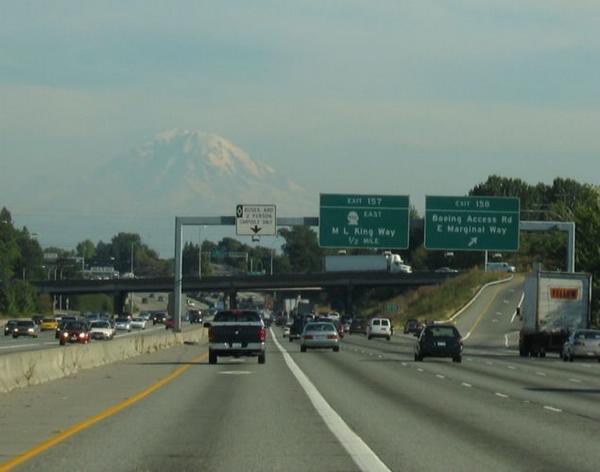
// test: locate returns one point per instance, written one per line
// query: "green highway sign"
(364, 221)
(472, 223)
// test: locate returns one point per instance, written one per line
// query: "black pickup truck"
(236, 333)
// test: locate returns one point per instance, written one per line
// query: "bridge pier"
(119, 299)
(349, 309)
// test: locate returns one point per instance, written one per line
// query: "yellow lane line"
(477, 321)
(113, 410)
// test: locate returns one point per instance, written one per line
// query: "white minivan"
(379, 328)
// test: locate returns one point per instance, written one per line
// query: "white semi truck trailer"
(554, 304)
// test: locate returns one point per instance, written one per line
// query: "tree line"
(298, 251)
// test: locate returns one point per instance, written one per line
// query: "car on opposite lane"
(26, 328)
(159, 318)
(582, 343)
(439, 340)
(320, 335)
(123, 324)
(102, 329)
(49, 324)
(138, 323)
(9, 326)
(75, 332)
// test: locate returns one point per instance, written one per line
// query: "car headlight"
(65, 334)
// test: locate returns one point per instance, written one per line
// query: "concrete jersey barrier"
(23, 369)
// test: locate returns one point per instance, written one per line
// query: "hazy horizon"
(393, 97)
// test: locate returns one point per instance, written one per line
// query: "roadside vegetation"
(22, 260)
(434, 303)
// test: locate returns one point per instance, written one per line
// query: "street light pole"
(199, 252)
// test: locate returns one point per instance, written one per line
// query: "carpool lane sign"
(364, 221)
(472, 223)
(255, 220)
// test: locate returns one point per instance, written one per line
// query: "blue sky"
(401, 97)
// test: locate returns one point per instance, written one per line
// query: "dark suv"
(439, 340)
(159, 318)
(413, 327)
(358, 325)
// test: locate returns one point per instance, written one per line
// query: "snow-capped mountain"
(188, 172)
(176, 173)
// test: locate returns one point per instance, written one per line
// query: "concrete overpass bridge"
(230, 285)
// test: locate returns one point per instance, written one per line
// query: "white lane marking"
(420, 370)
(17, 346)
(440, 376)
(541, 373)
(499, 313)
(404, 364)
(489, 363)
(575, 380)
(466, 336)
(235, 372)
(506, 340)
(506, 301)
(464, 384)
(361, 454)
(512, 367)
(380, 357)
(501, 395)
(551, 408)
(495, 320)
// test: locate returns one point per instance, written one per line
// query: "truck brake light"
(262, 334)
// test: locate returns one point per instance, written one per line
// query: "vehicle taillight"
(82, 335)
(262, 334)
(332, 336)
(308, 336)
(65, 334)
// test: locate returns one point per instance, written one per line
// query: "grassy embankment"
(436, 303)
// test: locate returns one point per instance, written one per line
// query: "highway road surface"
(368, 407)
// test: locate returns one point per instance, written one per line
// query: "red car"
(169, 323)
(75, 332)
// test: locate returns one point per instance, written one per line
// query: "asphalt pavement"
(320, 410)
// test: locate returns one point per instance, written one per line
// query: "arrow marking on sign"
(472, 242)
(255, 229)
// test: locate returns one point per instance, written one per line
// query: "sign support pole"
(178, 282)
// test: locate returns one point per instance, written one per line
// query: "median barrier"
(23, 369)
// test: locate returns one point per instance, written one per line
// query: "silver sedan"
(582, 343)
(138, 323)
(320, 335)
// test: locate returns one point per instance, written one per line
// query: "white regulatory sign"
(255, 220)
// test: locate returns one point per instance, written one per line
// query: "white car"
(138, 323)
(102, 329)
(379, 328)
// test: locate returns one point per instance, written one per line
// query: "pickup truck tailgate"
(235, 333)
